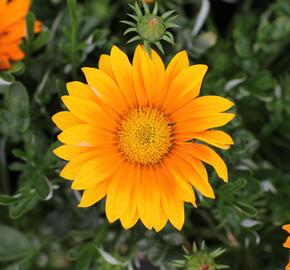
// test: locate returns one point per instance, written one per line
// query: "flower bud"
(200, 259)
(150, 27)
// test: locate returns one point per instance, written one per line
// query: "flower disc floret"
(145, 136)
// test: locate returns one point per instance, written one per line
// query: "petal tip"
(75, 186)
(286, 228)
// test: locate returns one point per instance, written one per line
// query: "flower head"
(133, 133)
(12, 30)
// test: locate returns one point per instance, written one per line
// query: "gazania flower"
(133, 133)
(12, 30)
(287, 242)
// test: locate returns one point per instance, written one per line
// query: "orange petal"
(185, 130)
(202, 106)
(209, 156)
(71, 169)
(216, 138)
(148, 197)
(119, 194)
(194, 162)
(177, 64)
(152, 68)
(14, 11)
(81, 90)
(4, 62)
(12, 51)
(286, 228)
(122, 70)
(64, 120)
(68, 152)
(94, 194)
(86, 135)
(15, 34)
(138, 80)
(105, 88)
(162, 220)
(106, 66)
(130, 216)
(172, 205)
(89, 112)
(183, 188)
(37, 26)
(96, 170)
(184, 170)
(185, 87)
(287, 243)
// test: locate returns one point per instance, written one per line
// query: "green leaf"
(14, 244)
(18, 99)
(25, 204)
(134, 39)
(129, 23)
(41, 40)
(42, 186)
(167, 14)
(30, 21)
(243, 47)
(8, 200)
(17, 166)
(19, 154)
(240, 184)
(6, 79)
(18, 68)
(109, 258)
(246, 209)
(85, 259)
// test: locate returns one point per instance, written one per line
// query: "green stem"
(4, 176)
(72, 5)
(212, 232)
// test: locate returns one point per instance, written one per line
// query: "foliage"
(246, 46)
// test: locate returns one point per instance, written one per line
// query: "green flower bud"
(200, 259)
(150, 27)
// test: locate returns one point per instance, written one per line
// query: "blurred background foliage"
(246, 46)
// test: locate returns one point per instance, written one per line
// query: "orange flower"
(12, 30)
(133, 133)
(287, 242)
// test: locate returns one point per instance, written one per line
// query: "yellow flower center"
(145, 135)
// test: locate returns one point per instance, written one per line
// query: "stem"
(73, 37)
(4, 176)
(212, 232)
